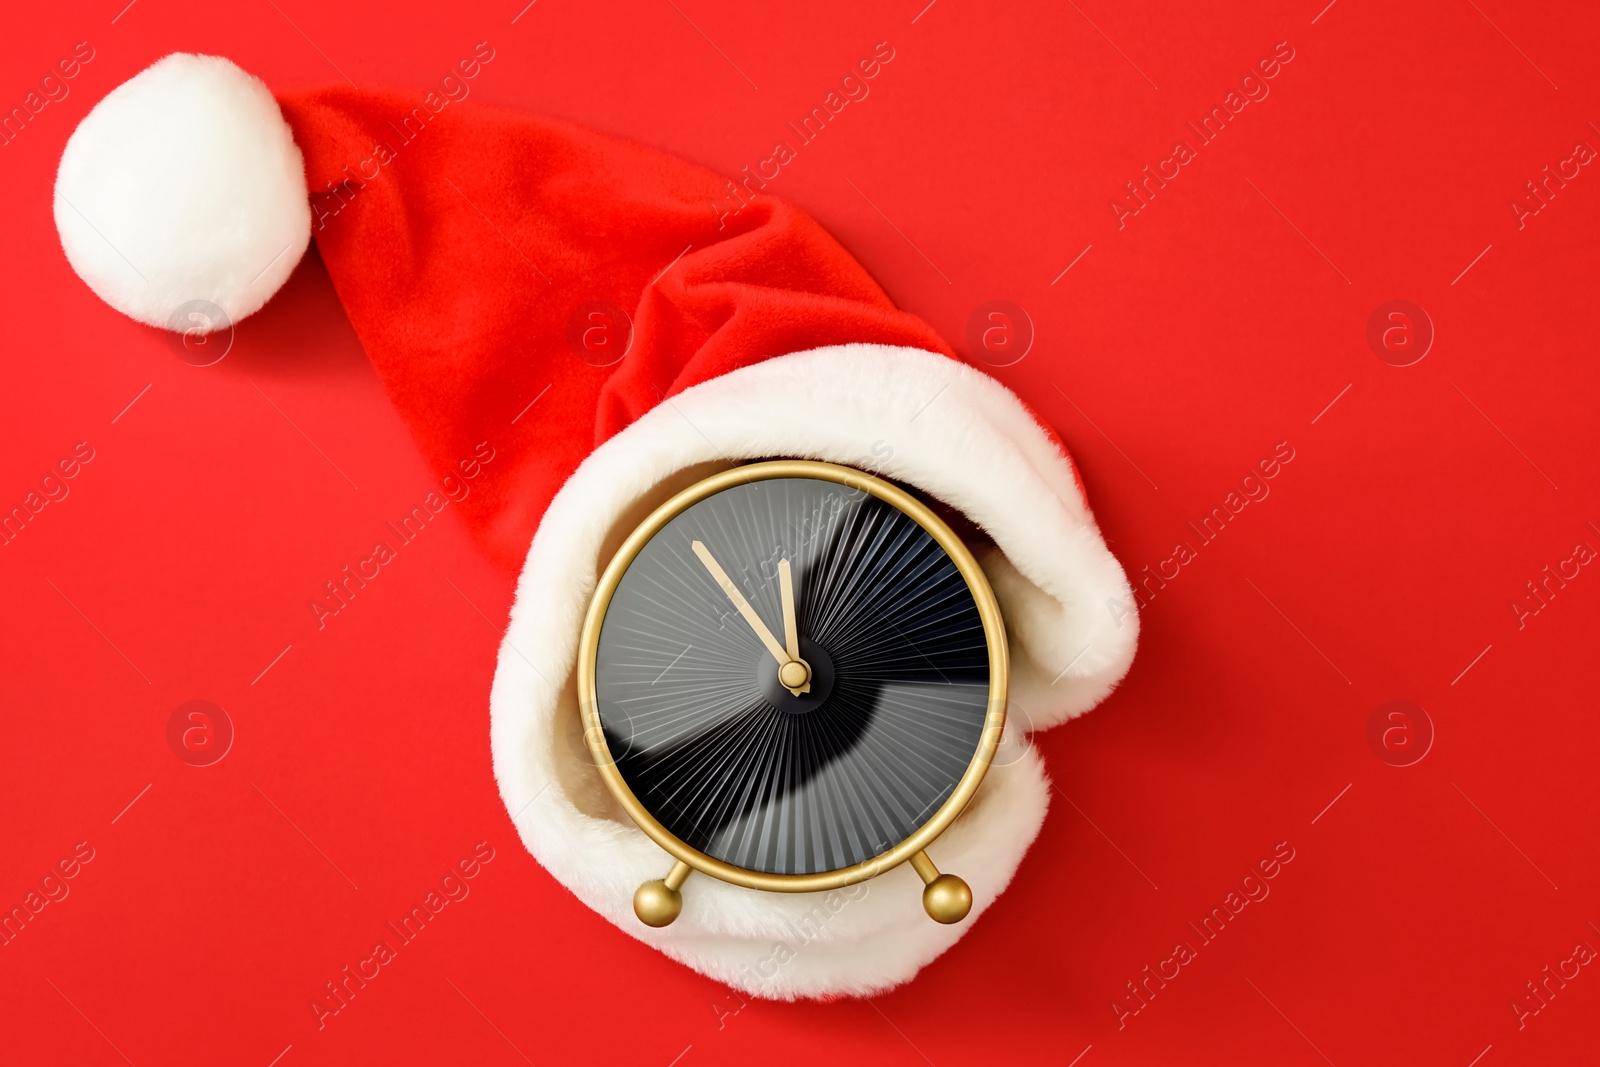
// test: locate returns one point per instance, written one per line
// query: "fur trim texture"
(912, 416)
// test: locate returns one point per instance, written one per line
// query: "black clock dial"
(713, 743)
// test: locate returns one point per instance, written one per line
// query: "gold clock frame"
(946, 898)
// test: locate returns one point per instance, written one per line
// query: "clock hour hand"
(791, 632)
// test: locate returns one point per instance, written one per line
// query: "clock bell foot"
(945, 897)
(657, 903)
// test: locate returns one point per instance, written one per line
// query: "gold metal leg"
(657, 903)
(946, 898)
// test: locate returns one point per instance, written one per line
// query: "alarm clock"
(792, 677)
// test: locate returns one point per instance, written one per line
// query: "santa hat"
(614, 323)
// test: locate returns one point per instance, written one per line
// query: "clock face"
(792, 748)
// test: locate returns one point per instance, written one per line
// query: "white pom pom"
(184, 185)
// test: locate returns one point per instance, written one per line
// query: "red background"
(1223, 319)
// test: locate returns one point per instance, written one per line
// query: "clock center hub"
(814, 666)
(794, 674)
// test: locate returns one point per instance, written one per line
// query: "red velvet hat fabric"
(473, 247)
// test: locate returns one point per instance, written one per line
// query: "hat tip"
(180, 198)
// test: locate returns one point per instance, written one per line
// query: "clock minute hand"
(741, 603)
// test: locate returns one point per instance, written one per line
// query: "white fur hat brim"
(908, 415)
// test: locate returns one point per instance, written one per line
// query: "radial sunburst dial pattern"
(728, 759)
